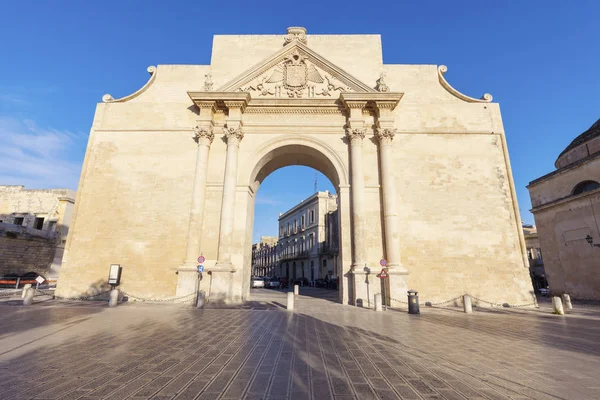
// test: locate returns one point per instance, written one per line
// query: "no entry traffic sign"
(383, 262)
(201, 259)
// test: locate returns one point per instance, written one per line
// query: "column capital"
(233, 135)
(204, 135)
(385, 135)
(356, 135)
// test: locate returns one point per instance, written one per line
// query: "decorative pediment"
(296, 72)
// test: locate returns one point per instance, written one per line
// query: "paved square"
(323, 350)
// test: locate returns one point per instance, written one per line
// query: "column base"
(398, 287)
(187, 282)
(365, 286)
(220, 287)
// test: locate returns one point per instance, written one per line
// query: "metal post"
(18, 281)
(384, 294)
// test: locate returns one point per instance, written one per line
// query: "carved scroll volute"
(385, 135)
(295, 33)
(233, 135)
(204, 135)
(356, 135)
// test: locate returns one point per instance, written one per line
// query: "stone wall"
(23, 251)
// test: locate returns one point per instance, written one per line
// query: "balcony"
(328, 249)
(294, 256)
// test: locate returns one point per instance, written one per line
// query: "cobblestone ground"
(323, 350)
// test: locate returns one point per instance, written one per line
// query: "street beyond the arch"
(321, 350)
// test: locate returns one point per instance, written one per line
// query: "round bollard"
(557, 305)
(567, 300)
(378, 306)
(467, 306)
(113, 300)
(290, 301)
(25, 289)
(413, 302)
(296, 290)
(28, 299)
(201, 298)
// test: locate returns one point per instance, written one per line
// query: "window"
(585, 186)
(295, 226)
(302, 222)
(312, 216)
(18, 221)
(288, 229)
(39, 223)
(325, 263)
(311, 241)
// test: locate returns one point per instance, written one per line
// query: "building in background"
(566, 207)
(536, 260)
(308, 239)
(34, 224)
(264, 256)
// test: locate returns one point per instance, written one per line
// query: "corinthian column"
(233, 135)
(390, 213)
(187, 281)
(356, 136)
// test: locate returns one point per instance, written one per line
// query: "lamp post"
(590, 240)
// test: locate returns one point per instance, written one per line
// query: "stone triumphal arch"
(421, 170)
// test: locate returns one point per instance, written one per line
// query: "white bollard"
(113, 300)
(25, 289)
(290, 301)
(567, 300)
(296, 290)
(28, 299)
(467, 306)
(378, 306)
(557, 304)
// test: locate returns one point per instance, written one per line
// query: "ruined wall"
(23, 251)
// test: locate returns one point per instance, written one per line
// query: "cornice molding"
(442, 69)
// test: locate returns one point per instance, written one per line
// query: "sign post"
(383, 275)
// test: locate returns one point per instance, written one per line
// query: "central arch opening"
(296, 225)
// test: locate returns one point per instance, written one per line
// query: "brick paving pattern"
(323, 350)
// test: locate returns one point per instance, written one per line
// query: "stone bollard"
(296, 290)
(28, 299)
(557, 304)
(467, 306)
(290, 301)
(567, 300)
(378, 306)
(113, 300)
(25, 289)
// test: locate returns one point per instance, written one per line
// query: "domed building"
(566, 207)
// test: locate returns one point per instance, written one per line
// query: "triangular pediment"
(296, 72)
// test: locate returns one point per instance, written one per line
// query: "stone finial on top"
(381, 86)
(208, 83)
(295, 33)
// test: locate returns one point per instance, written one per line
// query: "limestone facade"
(536, 259)
(264, 256)
(171, 172)
(34, 224)
(566, 207)
(304, 248)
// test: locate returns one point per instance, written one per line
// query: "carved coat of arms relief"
(295, 77)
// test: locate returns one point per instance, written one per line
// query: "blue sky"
(539, 59)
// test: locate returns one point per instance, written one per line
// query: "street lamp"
(590, 240)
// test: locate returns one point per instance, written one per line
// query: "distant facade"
(566, 207)
(34, 224)
(308, 239)
(264, 256)
(536, 260)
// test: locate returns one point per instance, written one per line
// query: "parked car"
(283, 282)
(257, 282)
(322, 283)
(273, 283)
(544, 291)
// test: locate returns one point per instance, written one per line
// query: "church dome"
(582, 146)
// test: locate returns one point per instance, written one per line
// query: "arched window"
(585, 186)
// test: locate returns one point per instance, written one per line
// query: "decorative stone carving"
(385, 135)
(233, 135)
(203, 133)
(208, 83)
(356, 135)
(295, 77)
(381, 86)
(295, 33)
